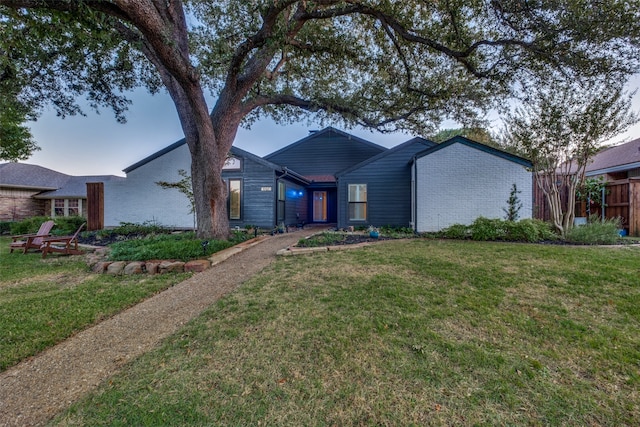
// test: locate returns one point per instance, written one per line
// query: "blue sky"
(97, 145)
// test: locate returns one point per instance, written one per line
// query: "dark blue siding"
(295, 204)
(258, 194)
(325, 153)
(388, 179)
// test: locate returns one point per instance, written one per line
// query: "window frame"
(64, 207)
(357, 204)
(231, 201)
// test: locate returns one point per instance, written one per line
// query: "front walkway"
(35, 390)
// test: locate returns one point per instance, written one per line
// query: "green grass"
(419, 332)
(42, 302)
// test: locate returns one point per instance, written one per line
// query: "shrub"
(544, 229)
(456, 231)
(596, 233)
(322, 239)
(487, 229)
(5, 227)
(28, 225)
(66, 225)
(397, 232)
(183, 247)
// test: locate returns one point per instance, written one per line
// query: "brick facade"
(16, 205)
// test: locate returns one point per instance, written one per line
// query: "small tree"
(513, 205)
(559, 127)
(591, 192)
(184, 186)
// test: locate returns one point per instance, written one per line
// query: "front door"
(319, 206)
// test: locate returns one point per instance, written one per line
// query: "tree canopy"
(560, 127)
(387, 65)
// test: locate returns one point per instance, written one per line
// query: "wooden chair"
(67, 245)
(31, 241)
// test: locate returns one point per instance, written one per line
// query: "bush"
(322, 239)
(544, 229)
(456, 231)
(28, 225)
(596, 233)
(5, 227)
(67, 225)
(526, 230)
(183, 247)
(397, 232)
(486, 229)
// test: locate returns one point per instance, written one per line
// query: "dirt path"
(32, 392)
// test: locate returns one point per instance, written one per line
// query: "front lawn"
(418, 332)
(42, 302)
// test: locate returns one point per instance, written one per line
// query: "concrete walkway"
(35, 390)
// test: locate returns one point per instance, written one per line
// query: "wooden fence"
(622, 200)
(95, 206)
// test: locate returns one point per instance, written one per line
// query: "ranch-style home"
(336, 178)
(30, 190)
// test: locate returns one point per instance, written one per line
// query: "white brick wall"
(138, 199)
(458, 183)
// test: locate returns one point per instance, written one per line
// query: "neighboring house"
(335, 178)
(30, 190)
(618, 162)
(459, 180)
(620, 167)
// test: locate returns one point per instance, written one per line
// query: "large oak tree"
(383, 64)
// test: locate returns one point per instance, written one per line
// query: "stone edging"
(97, 263)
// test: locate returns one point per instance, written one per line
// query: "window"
(58, 207)
(235, 189)
(73, 208)
(357, 202)
(282, 195)
(66, 207)
(232, 163)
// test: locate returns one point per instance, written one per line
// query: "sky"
(96, 144)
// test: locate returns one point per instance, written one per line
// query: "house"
(30, 190)
(459, 180)
(332, 177)
(620, 168)
(379, 190)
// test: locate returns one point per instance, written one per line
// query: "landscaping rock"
(197, 265)
(171, 267)
(116, 268)
(136, 267)
(100, 267)
(152, 267)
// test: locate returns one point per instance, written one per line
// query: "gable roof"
(33, 177)
(417, 140)
(234, 150)
(76, 187)
(53, 184)
(323, 133)
(155, 155)
(478, 146)
(615, 159)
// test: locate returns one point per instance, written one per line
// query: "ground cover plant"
(182, 246)
(42, 302)
(412, 332)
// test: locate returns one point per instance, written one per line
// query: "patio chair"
(31, 241)
(67, 245)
